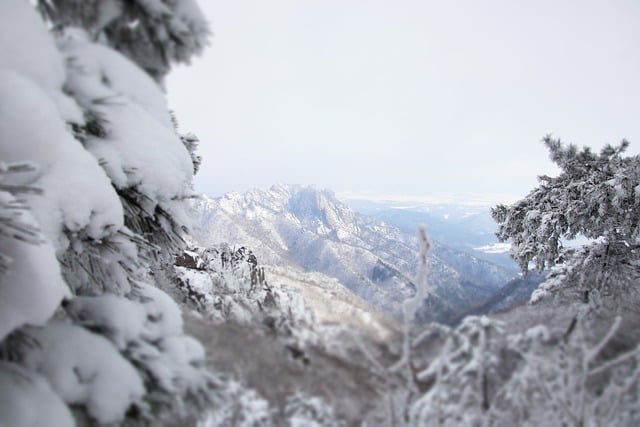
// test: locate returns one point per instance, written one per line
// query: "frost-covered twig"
(432, 328)
(412, 305)
(366, 352)
(615, 361)
(593, 353)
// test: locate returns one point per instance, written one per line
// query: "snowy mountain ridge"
(465, 224)
(310, 229)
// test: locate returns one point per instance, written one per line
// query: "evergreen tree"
(596, 196)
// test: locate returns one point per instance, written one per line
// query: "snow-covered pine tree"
(101, 205)
(596, 196)
(568, 381)
(576, 374)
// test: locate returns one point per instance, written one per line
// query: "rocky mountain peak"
(320, 210)
(310, 229)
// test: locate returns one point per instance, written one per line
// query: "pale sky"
(406, 97)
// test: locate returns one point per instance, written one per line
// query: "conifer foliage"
(596, 196)
(152, 33)
(93, 187)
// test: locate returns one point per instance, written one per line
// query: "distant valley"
(297, 230)
(466, 226)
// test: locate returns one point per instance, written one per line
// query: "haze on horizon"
(408, 97)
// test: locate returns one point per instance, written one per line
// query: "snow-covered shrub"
(542, 376)
(567, 380)
(302, 410)
(243, 408)
(228, 284)
(28, 401)
(463, 377)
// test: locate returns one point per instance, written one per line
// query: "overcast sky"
(406, 97)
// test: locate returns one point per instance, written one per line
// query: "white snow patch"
(26, 400)
(198, 280)
(85, 368)
(120, 319)
(83, 201)
(97, 71)
(494, 248)
(183, 350)
(162, 312)
(141, 149)
(28, 49)
(28, 295)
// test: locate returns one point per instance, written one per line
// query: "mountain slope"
(309, 229)
(515, 293)
(464, 225)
